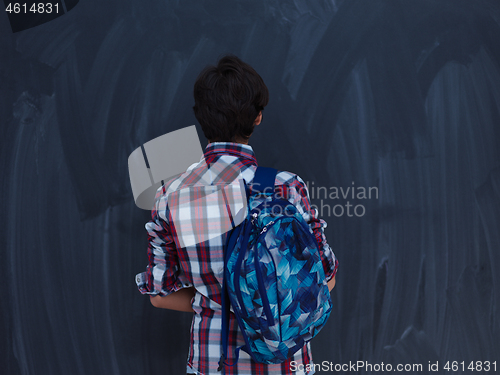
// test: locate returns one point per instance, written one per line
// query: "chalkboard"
(388, 109)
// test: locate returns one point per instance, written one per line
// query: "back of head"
(228, 98)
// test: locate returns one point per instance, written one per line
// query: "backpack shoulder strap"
(263, 181)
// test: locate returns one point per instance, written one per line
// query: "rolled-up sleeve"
(162, 275)
(299, 194)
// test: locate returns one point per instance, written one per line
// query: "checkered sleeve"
(299, 196)
(162, 275)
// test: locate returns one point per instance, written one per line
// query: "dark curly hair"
(228, 98)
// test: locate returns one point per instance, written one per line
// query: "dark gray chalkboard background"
(401, 95)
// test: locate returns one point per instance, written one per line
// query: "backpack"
(273, 278)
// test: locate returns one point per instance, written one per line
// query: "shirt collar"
(239, 150)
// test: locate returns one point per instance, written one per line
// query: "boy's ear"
(258, 119)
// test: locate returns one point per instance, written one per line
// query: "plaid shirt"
(190, 220)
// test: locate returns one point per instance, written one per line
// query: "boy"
(229, 100)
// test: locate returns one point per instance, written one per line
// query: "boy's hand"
(178, 301)
(331, 284)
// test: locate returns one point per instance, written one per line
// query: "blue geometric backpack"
(273, 278)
